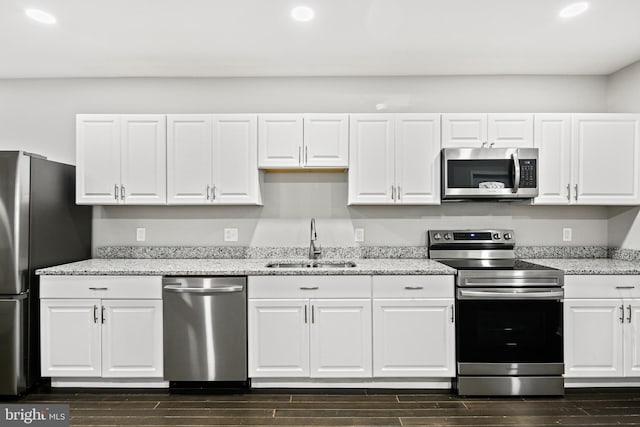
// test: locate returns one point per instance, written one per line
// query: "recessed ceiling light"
(574, 9)
(41, 16)
(302, 13)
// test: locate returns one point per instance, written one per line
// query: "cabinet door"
(593, 338)
(340, 338)
(143, 176)
(189, 156)
(417, 152)
(510, 130)
(413, 338)
(632, 338)
(606, 158)
(326, 140)
(464, 130)
(97, 159)
(553, 141)
(235, 159)
(132, 338)
(70, 338)
(371, 159)
(280, 140)
(278, 338)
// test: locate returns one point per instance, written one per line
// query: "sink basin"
(288, 265)
(311, 264)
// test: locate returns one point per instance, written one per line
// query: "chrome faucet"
(314, 251)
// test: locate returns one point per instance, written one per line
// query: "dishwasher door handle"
(216, 290)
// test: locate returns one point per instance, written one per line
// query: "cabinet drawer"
(309, 287)
(101, 287)
(602, 286)
(413, 287)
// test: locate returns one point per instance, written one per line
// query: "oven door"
(507, 331)
(489, 173)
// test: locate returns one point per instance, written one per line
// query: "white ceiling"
(106, 38)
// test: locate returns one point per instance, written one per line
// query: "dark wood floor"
(365, 407)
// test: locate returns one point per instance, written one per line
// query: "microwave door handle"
(516, 168)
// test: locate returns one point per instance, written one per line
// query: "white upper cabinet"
(189, 154)
(97, 159)
(503, 130)
(120, 159)
(606, 158)
(303, 140)
(212, 159)
(553, 141)
(394, 159)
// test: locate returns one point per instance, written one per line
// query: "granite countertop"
(589, 266)
(242, 267)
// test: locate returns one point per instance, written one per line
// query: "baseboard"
(390, 383)
(109, 383)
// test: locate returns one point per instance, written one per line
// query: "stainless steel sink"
(327, 264)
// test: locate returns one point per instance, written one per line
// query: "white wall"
(623, 96)
(38, 115)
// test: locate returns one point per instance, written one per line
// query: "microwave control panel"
(528, 175)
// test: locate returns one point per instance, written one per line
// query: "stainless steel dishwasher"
(205, 328)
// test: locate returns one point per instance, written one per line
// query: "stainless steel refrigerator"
(40, 226)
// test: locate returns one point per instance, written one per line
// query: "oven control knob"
(447, 236)
(507, 236)
(437, 236)
(496, 236)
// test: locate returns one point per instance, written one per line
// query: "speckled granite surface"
(625, 254)
(591, 266)
(561, 252)
(240, 267)
(258, 252)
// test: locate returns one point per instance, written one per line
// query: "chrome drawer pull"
(629, 318)
(625, 287)
(99, 289)
(309, 288)
(413, 288)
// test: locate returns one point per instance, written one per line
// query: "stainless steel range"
(508, 315)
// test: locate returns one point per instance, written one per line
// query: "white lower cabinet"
(291, 336)
(413, 324)
(107, 336)
(601, 327)
(351, 330)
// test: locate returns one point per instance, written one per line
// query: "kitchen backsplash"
(346, 252)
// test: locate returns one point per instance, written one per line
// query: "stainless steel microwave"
(489, 173)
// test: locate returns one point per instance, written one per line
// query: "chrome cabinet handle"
(299, 155)
(115, 191)
(306, 155)
(309, 288)
(569, 192)
(208, 190)
(393, 192)
(102, 314)
(575, 187)
(122, 192)
(629, 318)
(398, 192)
(99, 289)
(413, 288)
(305, 313)
(492, 144)
(621, 313)
(452, 313)
(516, 168)
(213, 192)
(313, 314)
(95, 314)
(625, 287)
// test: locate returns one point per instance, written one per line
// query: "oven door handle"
(486, 294)
(516, 168)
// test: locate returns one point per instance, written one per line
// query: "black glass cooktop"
(492, 264)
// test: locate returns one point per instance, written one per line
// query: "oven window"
(474, 173)
(523, 331)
